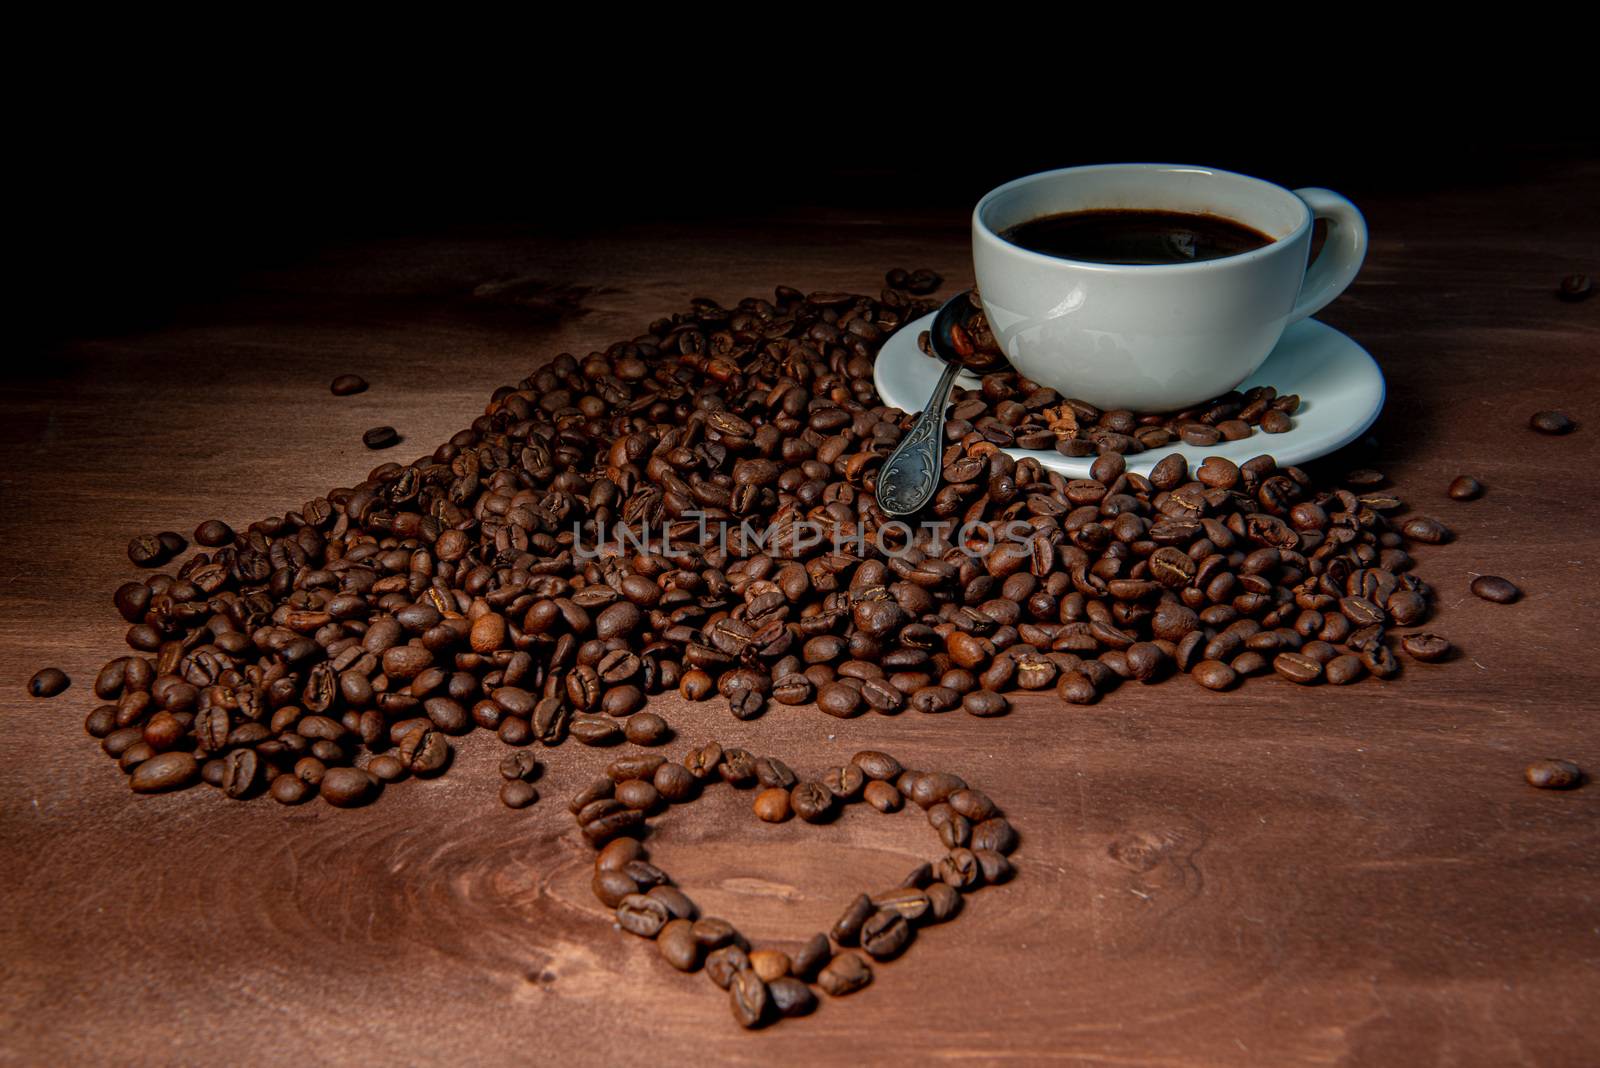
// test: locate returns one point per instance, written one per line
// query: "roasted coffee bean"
(1465, 488)
(1427, 648)
(792, 689)
(48, 682)
(811, 801)
(696, 685)
(748, 996)
(647, 728)
(746, 704)
(1549, 422)
(845, 783)
(1297, 667)
(769, 964)
(724, 963)
(674, 782)
(810, 957)
(882, 796)
(885, 934)
(844, 974)
(1553, 774)
(517, 794)
(146, 550)
(772, 772)
(380, 437)
(1343, 670)
(1494, 588)
(164, 771)
(521, 765)
(995, 867)
(1214, 675)
(636, 793)
(772, 805)
(346, 787)
(641, 915)
(242, 773)
(1426, 530)
(677, 945)
(714, 933)
(837, 699)
(847, 928)
(996, 834)
(944, 901)
(677, 902)
(345, 385)
(424, 752)
(595, 730)
(290, 790)
(959, 868)
(791, 997)
(213, 533)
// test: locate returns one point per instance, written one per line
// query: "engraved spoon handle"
(908, 478)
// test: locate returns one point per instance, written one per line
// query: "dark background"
(139, 210)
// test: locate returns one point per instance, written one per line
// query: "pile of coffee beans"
(767, 984)
(1010, 410)
(617, 526)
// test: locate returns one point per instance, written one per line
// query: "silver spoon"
(908, 478)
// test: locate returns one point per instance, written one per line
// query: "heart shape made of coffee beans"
(765, 985)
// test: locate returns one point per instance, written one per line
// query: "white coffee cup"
(1157, 337)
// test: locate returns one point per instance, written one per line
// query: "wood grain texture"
(1275, 876)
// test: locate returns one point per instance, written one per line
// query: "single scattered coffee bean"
(515, 794)
(1553, 774)
(1465, 488)
(1494, 588)
(213, 533)
(146, 550)
(1552, 422)
(345, 385)
(519, 765)
(647, 728)
(1427, 648)
(380, 437)
(1426, 530)
(47, 682)
(1214, 674)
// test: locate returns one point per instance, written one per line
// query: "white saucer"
(1341, 392)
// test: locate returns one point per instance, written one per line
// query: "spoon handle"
(907, 479)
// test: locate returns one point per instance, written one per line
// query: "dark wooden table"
(1274, 876)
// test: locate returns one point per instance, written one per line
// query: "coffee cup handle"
(1340, 259)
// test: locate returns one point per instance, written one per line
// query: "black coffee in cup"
(1135, 236)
